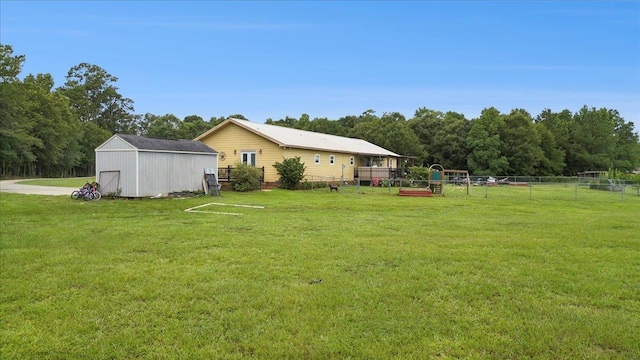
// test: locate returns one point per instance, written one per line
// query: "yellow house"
(326, 157)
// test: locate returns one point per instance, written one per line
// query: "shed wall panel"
(125, 162)
(116, 143)
(162, 173)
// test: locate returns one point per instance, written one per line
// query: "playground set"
(438, 177)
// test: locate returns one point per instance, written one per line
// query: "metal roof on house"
(302, 139)
(145, 143)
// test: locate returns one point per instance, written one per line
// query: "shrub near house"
(245, 177)
(291, 172)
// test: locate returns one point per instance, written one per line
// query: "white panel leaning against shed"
(148, 166)
(272, 143)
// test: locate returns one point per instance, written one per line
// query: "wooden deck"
(426, 192)
(368, 173)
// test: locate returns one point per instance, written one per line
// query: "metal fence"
(569, 188)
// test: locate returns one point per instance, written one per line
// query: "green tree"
(443, 137)
(303, 122)
(554, 142)
(389, 132)
(425, 124)
(38, 133)
(349, 122)
(626, 147)
(94, 98)
(215, 121)
(92, 136)
(163, 127)
(551, 161)
(485, 156)
(520, 143)
(288, 121)
(591, 141)
(16, 140)
(10, 65)
(453, 137)
(57, 130)
(192, 126)
(291, 172)
(326, 126)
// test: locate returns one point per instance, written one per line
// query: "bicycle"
(83, 193)
(95, 194)
(87, 192)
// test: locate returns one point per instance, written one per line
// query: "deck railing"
(367, 173)
(226, 174)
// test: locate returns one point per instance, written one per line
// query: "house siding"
(234, 138)
(324, 170)
(230, 137)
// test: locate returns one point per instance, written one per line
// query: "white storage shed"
(136, 166)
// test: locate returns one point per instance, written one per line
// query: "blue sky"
(331, 59)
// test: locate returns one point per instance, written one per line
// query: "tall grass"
(323, 275)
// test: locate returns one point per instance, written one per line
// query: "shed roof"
(145, 143)
(302, 139)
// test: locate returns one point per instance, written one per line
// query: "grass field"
(62, 182)
(522, 273)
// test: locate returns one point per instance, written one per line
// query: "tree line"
(517, 143)
(52, 132)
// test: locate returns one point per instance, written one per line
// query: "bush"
(633, 178)
(245, 177)
(291, 172)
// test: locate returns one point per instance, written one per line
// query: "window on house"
(351, 161)
(248, 157)
(332, 159)
(316, 159)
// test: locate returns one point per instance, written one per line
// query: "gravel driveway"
(12, 186)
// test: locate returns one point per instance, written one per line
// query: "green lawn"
(522, 273)
(63, 182)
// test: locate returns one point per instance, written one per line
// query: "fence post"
(262, 179)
